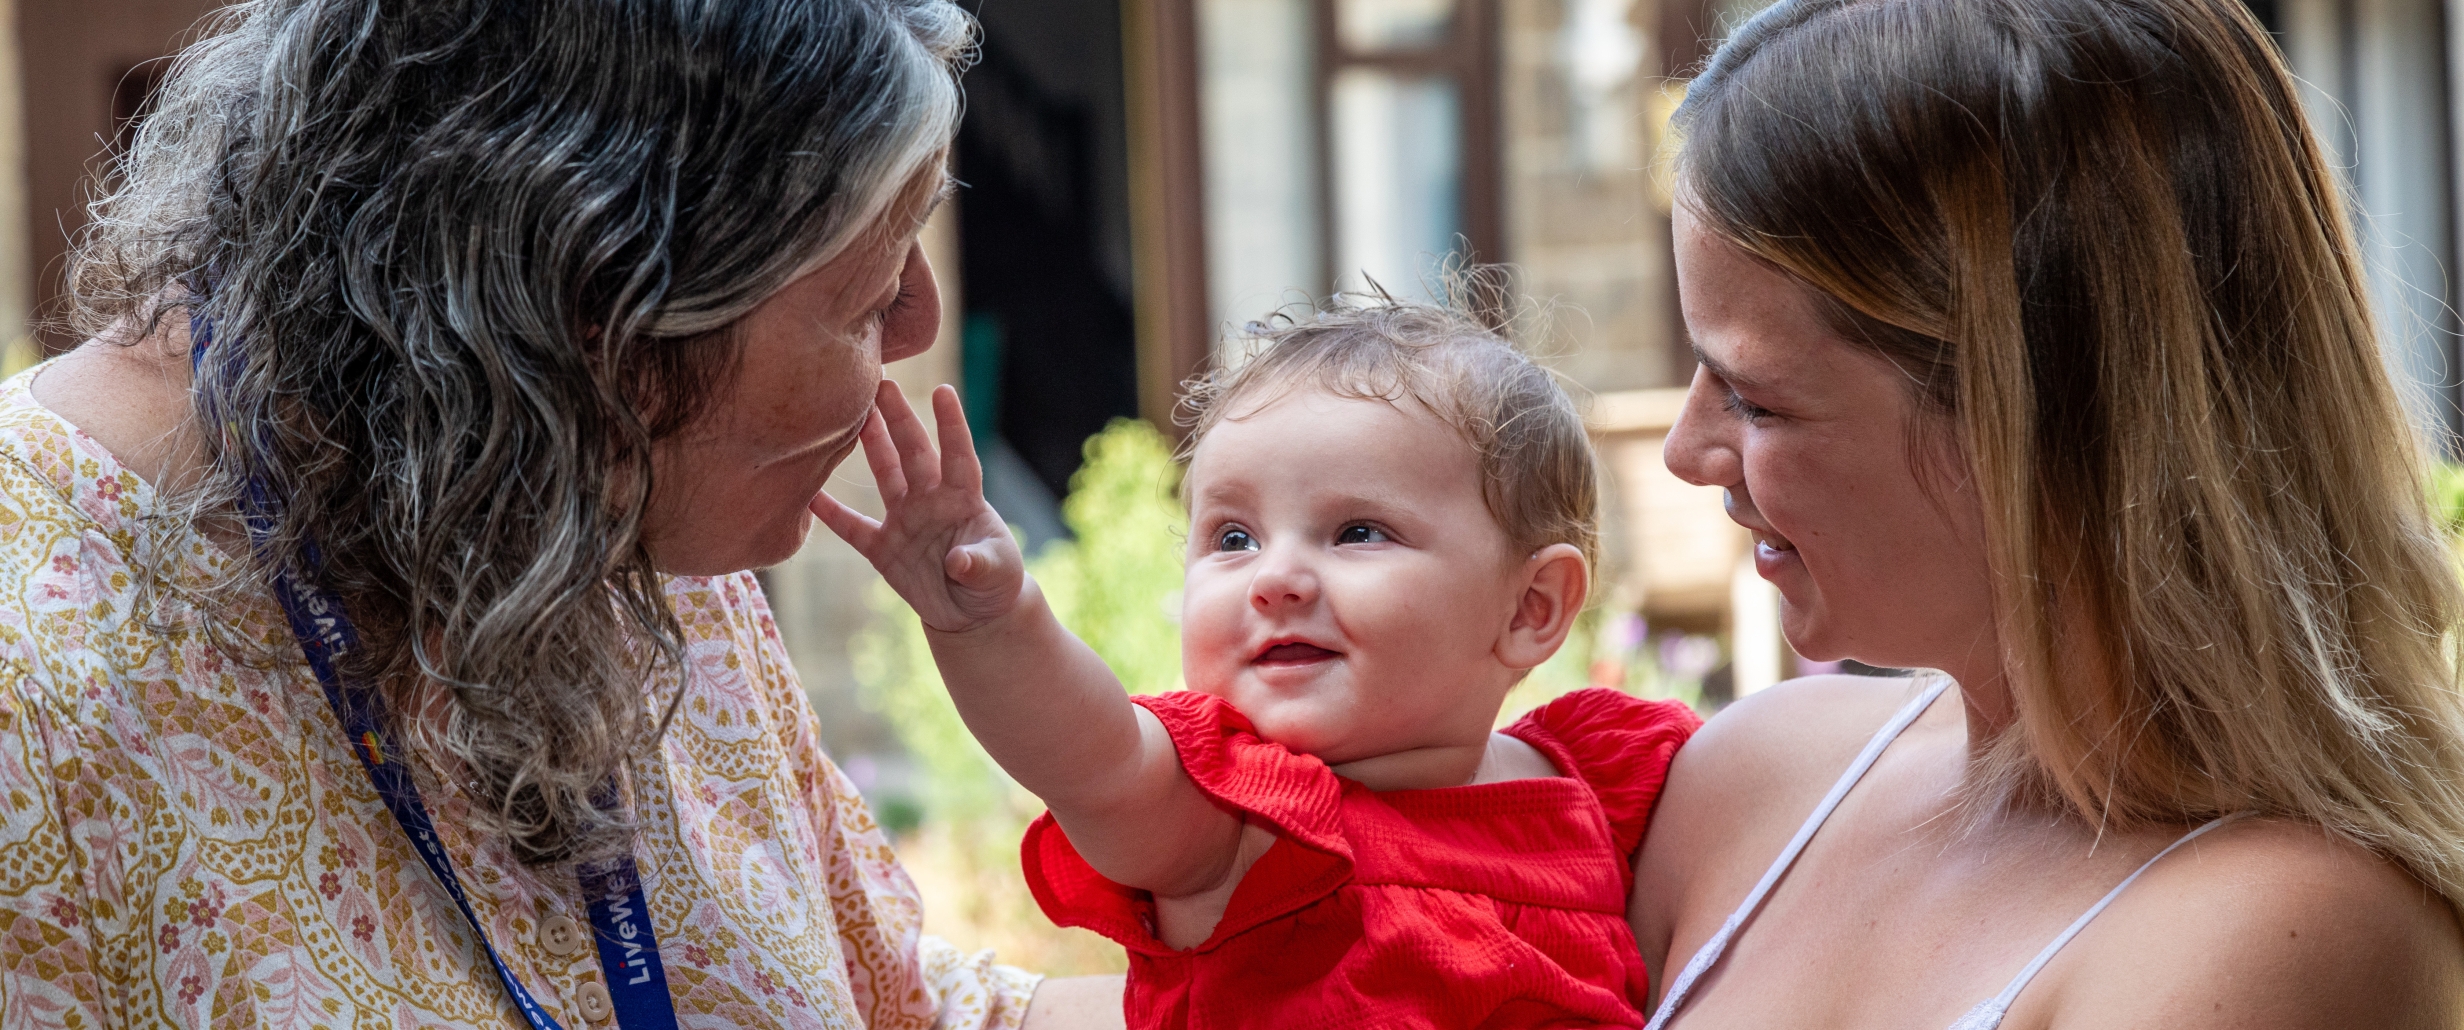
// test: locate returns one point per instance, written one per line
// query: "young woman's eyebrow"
(1727, 375)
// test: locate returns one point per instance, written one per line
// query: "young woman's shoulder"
(1745, 782)
(2270, 924)
(1786, 743)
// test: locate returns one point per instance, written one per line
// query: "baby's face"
(1347, 586)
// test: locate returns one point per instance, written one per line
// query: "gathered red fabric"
(1492, 905)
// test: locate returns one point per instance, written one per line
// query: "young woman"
(2035, 351)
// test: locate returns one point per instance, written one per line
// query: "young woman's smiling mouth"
(1773, 553)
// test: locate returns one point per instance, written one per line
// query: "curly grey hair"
(477, 258)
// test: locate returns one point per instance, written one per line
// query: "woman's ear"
(1556, 581)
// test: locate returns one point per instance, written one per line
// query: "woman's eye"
(881, 316)
(1362, 535)
(905, 297)
(1235, 540)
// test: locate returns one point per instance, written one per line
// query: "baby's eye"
(1235, 540)
(1362, 535)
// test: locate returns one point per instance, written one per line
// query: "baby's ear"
(1555, 582)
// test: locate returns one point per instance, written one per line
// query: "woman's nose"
(1282, 581)
(1702, 448)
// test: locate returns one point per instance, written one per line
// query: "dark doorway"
(1048, 344)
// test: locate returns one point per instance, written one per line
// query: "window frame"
(1468, 55)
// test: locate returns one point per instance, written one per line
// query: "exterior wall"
(1588, 239)
(1260, 133)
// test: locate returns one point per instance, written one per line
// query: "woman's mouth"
(1774, 554)
(1294, 653)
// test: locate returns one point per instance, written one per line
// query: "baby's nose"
(1281, 583)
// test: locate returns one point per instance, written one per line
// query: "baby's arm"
(1038, 698)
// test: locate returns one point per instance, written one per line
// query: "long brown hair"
(2103, 243)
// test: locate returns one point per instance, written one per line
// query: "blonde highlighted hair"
(2103, 243)
(1535, 458)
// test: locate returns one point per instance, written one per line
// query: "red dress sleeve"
(1617, 744)
(1296, 795)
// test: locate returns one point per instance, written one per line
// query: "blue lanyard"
(619, 912)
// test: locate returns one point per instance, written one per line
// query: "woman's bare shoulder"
(1791, 740)
(2271, 924)
(1744, 783)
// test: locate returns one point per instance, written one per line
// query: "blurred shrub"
(1117, 585)
(2447, 496)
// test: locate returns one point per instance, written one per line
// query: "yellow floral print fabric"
(187, 841)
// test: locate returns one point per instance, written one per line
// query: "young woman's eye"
(1362, 535)
(1745, 409)
(1235, 540)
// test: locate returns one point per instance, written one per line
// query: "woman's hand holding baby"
(938, 543)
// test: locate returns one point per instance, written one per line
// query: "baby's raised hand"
(941, 547)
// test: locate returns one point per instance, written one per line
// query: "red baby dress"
(1491, 905)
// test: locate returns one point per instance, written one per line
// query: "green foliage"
(2447, 496)
(1118, 585)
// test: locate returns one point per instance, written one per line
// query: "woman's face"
(1810, 438)
(731, 490)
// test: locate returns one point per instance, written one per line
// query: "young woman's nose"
(1281, 580)
(1702, 448)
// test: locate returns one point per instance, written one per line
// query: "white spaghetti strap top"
(1987, 1015)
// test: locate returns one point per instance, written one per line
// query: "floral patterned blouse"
(188, 842)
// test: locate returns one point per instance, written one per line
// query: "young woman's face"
(732, 490)
(1877, 550)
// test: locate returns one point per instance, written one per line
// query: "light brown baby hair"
(1535, 458)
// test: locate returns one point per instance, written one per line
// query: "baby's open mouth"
(1773, 541)
(1294, 654)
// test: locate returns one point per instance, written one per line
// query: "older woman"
(372, 585)
(2035, 351)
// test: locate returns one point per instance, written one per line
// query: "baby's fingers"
(922, 465)
(851, 525)
(881, 456)
(959, 466)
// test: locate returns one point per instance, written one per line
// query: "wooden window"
(1408, 147)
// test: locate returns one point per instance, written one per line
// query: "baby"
(1392, 517)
